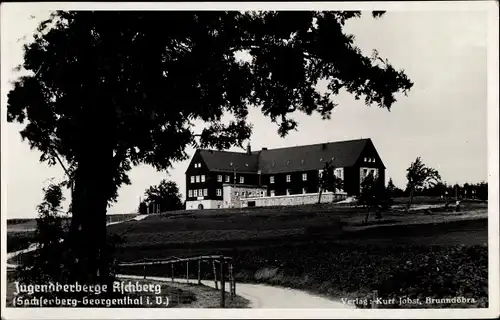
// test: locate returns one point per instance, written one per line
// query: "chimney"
(249, 149)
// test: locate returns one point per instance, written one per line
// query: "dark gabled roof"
(291, 159)
(226, 160)
(311, 157)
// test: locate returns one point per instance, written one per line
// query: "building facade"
(221, 179)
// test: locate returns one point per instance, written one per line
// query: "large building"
(222, 179)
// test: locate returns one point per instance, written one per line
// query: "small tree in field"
(390, 188)
(419, 176)
(143, 208)
(328, 181)
(372, 194)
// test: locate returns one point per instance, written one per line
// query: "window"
(219, 192)
(200, 193)
(304, 177)
(288, 192)
(242, 193)
(242, 179)
(197, 179)
(271, 179)
(320, 172)
(205, 192)
(288, 178)
(219, 178)
(304, 191)
(262, 193)
(236, 193)
(192, 179)
(227, 178)
(365, 172)
(373, 160)
(195, 193)
(190, 193)
(272, 193)
(366, 159)
(202, 178)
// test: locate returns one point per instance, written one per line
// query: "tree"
(420, 176)
(164, 196)
(328, 181)
(106, 91)
(44, 263)
(373, 195)
(143, 208)
(390, 187)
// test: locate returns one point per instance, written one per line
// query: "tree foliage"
(143, 208)
(328, 181)
(106, 91)
(420, 176)
(164, 196)
(373, 195)
(390, 187)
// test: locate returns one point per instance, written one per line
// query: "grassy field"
(30, 224)
(325, 249)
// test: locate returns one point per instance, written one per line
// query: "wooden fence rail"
(226, 270)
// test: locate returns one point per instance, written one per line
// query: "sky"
(443, 119)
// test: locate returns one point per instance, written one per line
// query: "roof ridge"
(281, 148)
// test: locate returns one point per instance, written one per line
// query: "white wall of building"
(232, 195)
(207, 204)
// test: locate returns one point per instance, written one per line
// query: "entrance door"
(200, 207)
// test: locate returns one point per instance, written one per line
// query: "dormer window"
(366, 159)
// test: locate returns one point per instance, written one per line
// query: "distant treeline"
(465, 191)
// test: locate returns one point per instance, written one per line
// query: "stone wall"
(293, 200)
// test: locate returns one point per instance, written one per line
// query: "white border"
(493, 161)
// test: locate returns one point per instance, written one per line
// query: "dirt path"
(264, 296)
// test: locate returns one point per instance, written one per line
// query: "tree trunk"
(94, 186)
(367, 214)
(410, 200)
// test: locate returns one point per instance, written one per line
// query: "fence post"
(187, 271)
(172, 268)
(375, 296)
(199, 271)
(144, 268)
(231, 280)
(222, 284)
(215, 274)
